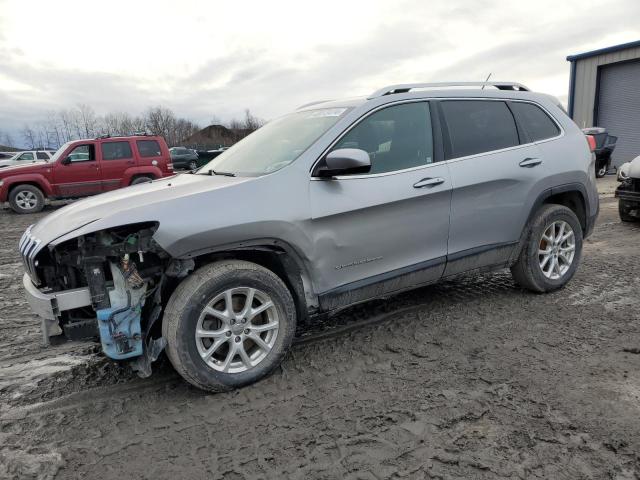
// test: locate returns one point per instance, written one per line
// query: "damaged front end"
(107, 285)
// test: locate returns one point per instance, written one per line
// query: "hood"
(146, 202)
(634, 168)
(34, 167)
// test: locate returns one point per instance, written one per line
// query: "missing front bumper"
(49, 306)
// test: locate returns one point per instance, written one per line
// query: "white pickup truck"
(29, 156)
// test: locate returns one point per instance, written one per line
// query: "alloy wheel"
(26, 200)
(237, 330)
(557, 249)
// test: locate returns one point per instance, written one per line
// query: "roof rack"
(134, 134)
(403, 88)
(311, 103)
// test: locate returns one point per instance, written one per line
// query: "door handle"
(428, 182)
(530, 162)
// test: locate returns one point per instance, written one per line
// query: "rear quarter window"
(148, 148)
(535, 121)
(478, 126)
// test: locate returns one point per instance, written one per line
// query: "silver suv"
(334, 204)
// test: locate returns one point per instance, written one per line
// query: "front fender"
(36, 179)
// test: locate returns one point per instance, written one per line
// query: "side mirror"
(344, 161)
(66, 161)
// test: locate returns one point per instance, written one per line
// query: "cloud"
(221, 61)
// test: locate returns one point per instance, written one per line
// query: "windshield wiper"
(226, 174)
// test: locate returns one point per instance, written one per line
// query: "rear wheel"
(26, 199)
(601, 171)
(625, 208)
(228, 325)
(552, 250)
(138, 180)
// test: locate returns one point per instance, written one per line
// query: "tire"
(193, 165)
(528, 270)
(185, 314)
(139, 180)
(624, 208)
(601, 172)
(26, 199)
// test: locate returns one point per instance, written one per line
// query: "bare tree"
(87, 119)
(29, 136)
(251, 122)
(53, 129)
(160, 121)
(7, 140)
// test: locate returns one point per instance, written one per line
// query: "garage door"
(619, 108)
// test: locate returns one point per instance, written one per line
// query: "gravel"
(472, 378)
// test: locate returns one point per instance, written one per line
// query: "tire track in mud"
(472, 378)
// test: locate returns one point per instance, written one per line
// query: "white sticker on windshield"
(326, 112)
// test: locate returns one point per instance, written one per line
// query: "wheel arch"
(572, 195)
(44, 187)
(130, 174)
(141, 175)
(277, 256)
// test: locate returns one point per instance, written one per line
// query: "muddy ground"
(473, 378)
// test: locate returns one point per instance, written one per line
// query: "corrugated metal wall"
(619, 107)
(586, 79)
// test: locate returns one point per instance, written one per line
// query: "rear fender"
(149, 171)
(583, 216)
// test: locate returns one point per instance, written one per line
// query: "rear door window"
(536, 123)
(148, 148)
(42, 156)
(478, 126)
(116, 151)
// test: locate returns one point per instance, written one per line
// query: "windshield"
(59, 152)
(275, 145)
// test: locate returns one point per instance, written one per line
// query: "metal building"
(604, 91)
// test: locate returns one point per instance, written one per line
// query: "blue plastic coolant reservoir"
(120, 332)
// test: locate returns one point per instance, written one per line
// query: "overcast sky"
(205, 58)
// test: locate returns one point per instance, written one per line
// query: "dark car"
(605, 144)
(182, 157)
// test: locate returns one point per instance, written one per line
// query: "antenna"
(488, 77)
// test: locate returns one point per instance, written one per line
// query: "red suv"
(86, 167)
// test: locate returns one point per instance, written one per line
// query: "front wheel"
(193, 165)
(229, 324)
(26, 199)
(552, 250)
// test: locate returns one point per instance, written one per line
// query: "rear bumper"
(49, 306)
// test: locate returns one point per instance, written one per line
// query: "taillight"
(169, 166)
(591, 140)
